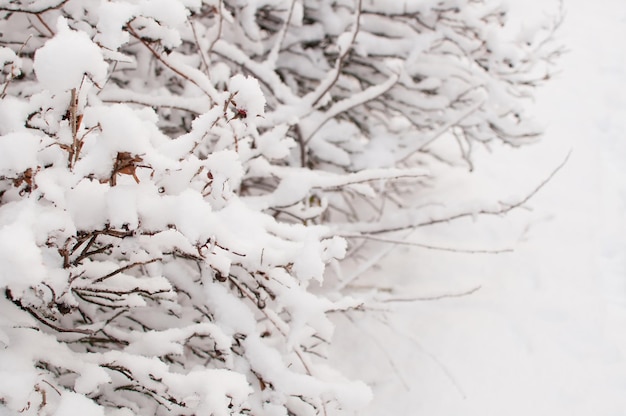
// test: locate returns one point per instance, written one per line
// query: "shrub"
(176, 175)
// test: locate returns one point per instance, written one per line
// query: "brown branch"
(18, 303)
(273, 55)
(275, 320)
(205, 62)
(220, 23)
(127, 267)
(74, 120)
(158, 56)
(33, 11)
(84, 255)
(102, 292)
(43, 22)
(342, 57)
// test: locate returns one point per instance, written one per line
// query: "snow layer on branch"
(73, 404)
(226, 172)
(12, 111)
(168, 12)
(7, 56)
(22, 264)
(123, 129)
(296, 184)
(87, 203)
(113, 16)
(217, 391)
(20, 254)
(18, 152)
(9, 59)
(16, 376)
(62, 63)
(248, 96)
(275, 144)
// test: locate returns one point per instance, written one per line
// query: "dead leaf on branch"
(25, 177)
(125, 164)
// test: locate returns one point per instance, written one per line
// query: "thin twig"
(33, 11)
(420, 347)
(273, 55)
(49, 324)
(127, 267)
(205, 62)
(323, 89)
(430, 247)
(488, 212)
(210, 94)
(10, 76)
(220, 5)
(43, 22)
(432, 298)
(382, 346)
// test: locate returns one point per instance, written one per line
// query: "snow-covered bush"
(175, 176)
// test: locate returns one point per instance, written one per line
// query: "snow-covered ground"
(546, 332)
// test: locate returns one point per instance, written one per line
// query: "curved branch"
(192, 75)
(328, 83)
(33, 9)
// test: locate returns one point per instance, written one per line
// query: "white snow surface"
(64, 60)
(247, 93)
(73, 404)
(544, 334)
